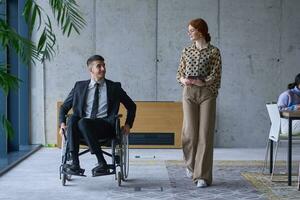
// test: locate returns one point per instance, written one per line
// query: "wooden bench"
(159, 122)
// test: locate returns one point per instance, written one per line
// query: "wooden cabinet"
(153, 119)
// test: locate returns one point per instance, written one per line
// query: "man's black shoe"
(101, 169)
(73, 169)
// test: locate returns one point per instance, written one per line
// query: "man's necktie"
(95, 102)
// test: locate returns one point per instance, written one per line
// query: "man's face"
(97, 69)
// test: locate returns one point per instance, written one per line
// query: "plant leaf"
(7, 81)
(68, 15)
(23, 47)
(8, 129)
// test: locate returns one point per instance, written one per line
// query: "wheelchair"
(119, 155)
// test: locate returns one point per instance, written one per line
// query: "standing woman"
(199, 73)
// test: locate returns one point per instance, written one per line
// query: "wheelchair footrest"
(95, 174)
(73, 174)
(108, 171)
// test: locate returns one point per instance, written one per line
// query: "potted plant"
(68, 18)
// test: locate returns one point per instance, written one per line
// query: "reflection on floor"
(13, 158)
(154, 174)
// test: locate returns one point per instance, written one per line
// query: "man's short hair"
(94, 58)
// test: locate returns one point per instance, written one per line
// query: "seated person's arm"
(64, 109)
(131, 109)
(283, 102)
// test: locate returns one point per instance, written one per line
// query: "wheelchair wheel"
(124, 158)
(64, 179)
(119, 176)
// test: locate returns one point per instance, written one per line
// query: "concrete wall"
(142, 40)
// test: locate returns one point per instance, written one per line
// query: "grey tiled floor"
(150, 177)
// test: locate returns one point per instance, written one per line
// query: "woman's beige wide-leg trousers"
(199, 113)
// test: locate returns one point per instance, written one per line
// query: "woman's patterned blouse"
(205, 63)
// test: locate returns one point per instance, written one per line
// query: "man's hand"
(126, 129)
(62, 126)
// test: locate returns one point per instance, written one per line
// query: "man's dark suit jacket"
(115, 94)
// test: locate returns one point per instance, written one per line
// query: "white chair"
(275, 133)
(299, 178)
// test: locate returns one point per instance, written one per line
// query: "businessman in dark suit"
(95, 104)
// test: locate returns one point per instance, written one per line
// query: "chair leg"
(266, 157)
(276, 150)
(287, 162)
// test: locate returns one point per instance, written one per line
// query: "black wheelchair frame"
(119, 155)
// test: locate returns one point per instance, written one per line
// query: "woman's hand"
(185, 81)
(197, 82)
(188, 81)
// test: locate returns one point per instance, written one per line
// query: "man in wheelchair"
(95, 105)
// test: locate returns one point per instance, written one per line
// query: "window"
(15, 106)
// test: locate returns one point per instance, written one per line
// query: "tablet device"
(196, 77)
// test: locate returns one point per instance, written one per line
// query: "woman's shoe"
(189, 173)
(201, 183)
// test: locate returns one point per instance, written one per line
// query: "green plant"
(68, 18)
